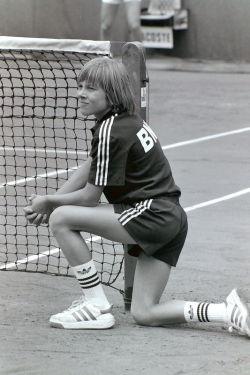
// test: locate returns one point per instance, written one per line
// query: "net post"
(133, 57)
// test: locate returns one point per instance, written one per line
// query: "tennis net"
(43, 139)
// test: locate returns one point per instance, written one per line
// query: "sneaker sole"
(237, 297)
(104, 321)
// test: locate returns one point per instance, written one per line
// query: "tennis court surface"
(202, 121)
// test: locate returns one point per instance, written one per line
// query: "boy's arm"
(41, 206)
(77, 180)
(89, 196)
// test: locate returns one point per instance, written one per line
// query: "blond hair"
(114, 79)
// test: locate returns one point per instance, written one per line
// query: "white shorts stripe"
(131, 213)
(103, 152)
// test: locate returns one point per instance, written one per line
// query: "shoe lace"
(76, 303)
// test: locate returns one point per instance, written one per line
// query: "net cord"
(62, 45)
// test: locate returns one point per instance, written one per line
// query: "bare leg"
(133, 12)
(108, 14)
(151, 274)
(68, 221)
(151, 277)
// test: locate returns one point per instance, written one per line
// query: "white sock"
(205, 312)
(89, 281)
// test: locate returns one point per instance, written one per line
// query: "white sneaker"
(238, 313)
(83, 315)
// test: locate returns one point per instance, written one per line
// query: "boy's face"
(92, 100)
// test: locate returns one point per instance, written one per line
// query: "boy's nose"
(81, 92)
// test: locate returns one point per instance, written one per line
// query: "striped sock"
(90, 283)
(205, 312)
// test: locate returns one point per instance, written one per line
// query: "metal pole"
(133, 57)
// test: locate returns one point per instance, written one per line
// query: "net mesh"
(43, 139)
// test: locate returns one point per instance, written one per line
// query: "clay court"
(200, 113)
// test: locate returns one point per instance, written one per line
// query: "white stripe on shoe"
(238, 312)
(82, 315)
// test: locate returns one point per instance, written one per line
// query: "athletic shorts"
(118, 1)
(158, 226)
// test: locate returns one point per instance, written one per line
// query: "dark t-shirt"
(127, 159)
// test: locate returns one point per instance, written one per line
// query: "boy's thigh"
(100, 220)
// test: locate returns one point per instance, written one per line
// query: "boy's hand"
(40, 204)
(33, 217)
(38, 211)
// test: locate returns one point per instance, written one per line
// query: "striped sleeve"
(103, 152)
(108, 157)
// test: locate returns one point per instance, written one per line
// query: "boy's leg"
(151, 277)
(108, 14)
(66, 223)
(133, 12)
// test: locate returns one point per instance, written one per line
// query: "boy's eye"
(91, 87)
(87, 87)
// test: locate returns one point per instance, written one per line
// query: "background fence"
(218, 29)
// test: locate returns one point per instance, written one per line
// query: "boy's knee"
(57, 219)
(142, 315)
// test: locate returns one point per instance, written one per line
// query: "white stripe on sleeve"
(103, 152)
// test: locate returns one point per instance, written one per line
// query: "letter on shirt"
(146, 137)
